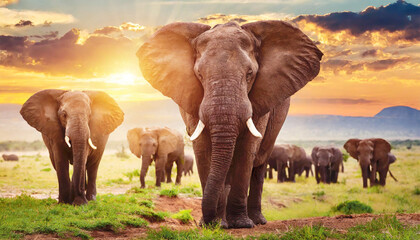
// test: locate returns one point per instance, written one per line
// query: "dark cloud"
(398, 16)
(24, 23)
(12, 44)
(98, 55)
(107, 30)
(370, 53)
(349, 101)
(50, 35)
(380, 65)
(337, 65)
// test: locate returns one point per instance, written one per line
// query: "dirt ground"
(340, 223)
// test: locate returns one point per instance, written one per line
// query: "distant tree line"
(22, 146)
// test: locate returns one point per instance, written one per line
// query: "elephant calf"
(75, 127)
(188, 165)
(374, 156)
(10, 157)
(162, 145)
(327, 161)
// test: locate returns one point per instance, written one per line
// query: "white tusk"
(91, 144)
(252, 128)
(198, 130)
(67, 140)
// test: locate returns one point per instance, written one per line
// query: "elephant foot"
(169, 181)
(240, 222)
(257, 217)
(79, 201)
(91, 197)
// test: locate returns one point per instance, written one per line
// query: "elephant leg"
(62, 170)
(160, 166)
(144, 168)
(270, 173)
(306, 172)
(291, 173)
(280, 171)
(317, 174)
(168, 170)
(236, 208)
(92, 172)
(255, 192)
(382, 175)
(179, 167)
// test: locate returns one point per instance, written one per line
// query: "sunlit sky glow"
(371, 61)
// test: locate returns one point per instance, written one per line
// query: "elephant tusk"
(198, 130)
(252, 128)
(91, 144)
(67, 140)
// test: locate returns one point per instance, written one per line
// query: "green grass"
(184, 216)
(351, 207)
(170, 192)
(24, 215)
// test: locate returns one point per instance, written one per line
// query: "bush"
(130, 175)
(184, 216)
(350, 207)
(345, 157)
(416, 190)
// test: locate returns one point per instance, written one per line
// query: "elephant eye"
(249, 75)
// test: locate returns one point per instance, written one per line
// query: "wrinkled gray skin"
(327, 162)
(80, 116)
(188, 165)
(287, 157)
(305, 164)
(10, 157)
(223, 77)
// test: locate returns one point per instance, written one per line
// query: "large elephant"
(233, 85)
(75, 126)
(163, 145)
(327, 162)
(290, 157)
(373, 155)
(10, 157)
(188, 165)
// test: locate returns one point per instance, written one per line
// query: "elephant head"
(74, 120)
(148, 143)
(366, 150)
(225, 77)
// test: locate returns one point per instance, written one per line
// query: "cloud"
(370, 53)
(396, 17)
(214, 19)
(337, 65)
(107, 30)
(381, 65)
(347, 101)
(24, 23)
(9, 17)
(7, 2)
(97, 55)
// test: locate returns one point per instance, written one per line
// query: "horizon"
(365, 68)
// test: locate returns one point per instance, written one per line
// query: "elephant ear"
(167, 63)
(313, 154)
(168, 140)
(133, 137)
(382, 148)
(287, 60)
(338, 155)
(351, 147)
(40, 111)
(106, 115)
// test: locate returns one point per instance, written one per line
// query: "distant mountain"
(399, 122)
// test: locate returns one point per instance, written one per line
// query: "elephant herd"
(233, 85)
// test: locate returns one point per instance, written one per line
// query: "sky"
(371, 48)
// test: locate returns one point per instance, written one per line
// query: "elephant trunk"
(77, 132)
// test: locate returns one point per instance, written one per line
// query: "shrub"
(318, 193)
(417, 190)
(169, 192)
(350, 207)
(130, 175)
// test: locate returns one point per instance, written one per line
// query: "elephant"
(327, 161)
(285, 156)
(75, 127)
(233, 85)
(162, 145)
(10, 157)
(305, 164)
(188, 165)
(374, 155)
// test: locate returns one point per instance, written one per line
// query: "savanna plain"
(300, 210)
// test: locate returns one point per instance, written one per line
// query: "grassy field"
(121, 204)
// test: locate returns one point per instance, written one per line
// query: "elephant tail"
(390, 173)
(342, 166)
